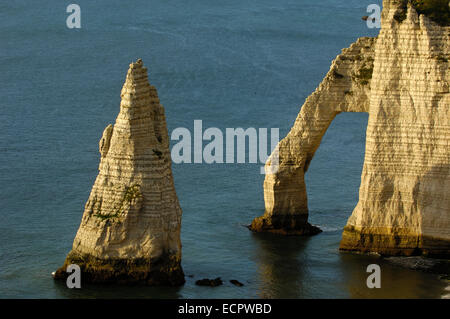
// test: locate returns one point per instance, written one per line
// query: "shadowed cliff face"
(401, 80)
(436, 10)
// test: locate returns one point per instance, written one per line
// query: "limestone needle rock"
(130, 229)
(401, 79)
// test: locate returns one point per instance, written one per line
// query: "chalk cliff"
(130, 229)
(401, 79)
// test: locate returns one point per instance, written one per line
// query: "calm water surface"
(228, 63)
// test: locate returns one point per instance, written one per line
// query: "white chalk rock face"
(130, 230)
(401, 79)
(404, 197)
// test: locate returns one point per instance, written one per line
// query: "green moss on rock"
(364, 74)
(157, 153)
(131, 193)
(400, 15)
(437, 10)
(442, 59)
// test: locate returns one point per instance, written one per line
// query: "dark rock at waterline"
(164, 271)
(236, 283)
(288, 225)
(209, 282)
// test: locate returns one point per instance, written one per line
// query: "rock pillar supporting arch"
(345, 88)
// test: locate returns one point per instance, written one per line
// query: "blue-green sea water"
(234, 63)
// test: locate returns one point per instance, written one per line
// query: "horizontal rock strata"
(130, 230)
(404, 198)
(401, 79)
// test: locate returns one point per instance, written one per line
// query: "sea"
(231, 64)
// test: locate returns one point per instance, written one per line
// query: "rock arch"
(401, 79)
(346, 88)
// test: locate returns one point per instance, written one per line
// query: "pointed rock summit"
(130, 230)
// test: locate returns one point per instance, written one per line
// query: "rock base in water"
(394, 242)
(284, 225)
(165, 271)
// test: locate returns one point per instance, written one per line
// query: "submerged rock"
(209, 282)
(401, 79)
(236, 283)
(130, 230)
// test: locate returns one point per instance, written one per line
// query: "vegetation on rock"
(364, 75)
(157, 153)
(131, 193)
(437, 10)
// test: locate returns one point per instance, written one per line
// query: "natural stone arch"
(345, 88)
(401, 80)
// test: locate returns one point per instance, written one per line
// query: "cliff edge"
(401, 79)
(130, 229)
